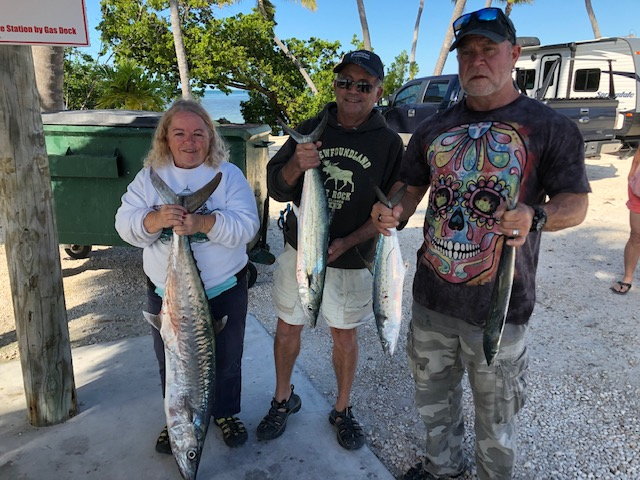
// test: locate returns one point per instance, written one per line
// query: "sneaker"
(417, 472)
(162, 444)
(275, 422)
(233, 431)
(350, 434)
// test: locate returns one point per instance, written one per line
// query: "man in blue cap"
(356, 150)
(500, 168)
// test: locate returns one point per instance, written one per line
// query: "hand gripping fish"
(313, 232)
(186, 328)
(500, 296)
(388, 280)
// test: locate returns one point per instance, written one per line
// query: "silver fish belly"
(499, 306)
(187, 332)
(388, 282)
(313, 243)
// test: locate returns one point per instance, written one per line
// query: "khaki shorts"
(346, 300)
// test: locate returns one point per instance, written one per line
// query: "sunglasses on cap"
(490, 14)
(345, 84)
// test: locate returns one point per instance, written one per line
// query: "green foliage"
(83, 80)
(232, 52)
(397, 74)
(129, 87)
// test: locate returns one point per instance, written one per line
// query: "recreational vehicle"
(601, 68)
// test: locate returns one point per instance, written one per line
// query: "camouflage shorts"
(440, 348)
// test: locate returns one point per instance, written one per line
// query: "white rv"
(587, 69)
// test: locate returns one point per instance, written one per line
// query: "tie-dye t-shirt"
(474, 163)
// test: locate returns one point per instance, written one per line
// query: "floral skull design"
(476, 171)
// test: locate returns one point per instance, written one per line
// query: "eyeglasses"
(345, 84)
(485, 15)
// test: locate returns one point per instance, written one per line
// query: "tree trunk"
(181, 54)
(414, 43)
(487, 4)
(448, 38)
(365, 26)
(285, 50)
(48, 64)
(31, 243)
(592, 19)
(508, 7)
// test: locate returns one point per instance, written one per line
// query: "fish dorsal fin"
(310, 138)
(191, 202)
(154, 320)
(219, 324)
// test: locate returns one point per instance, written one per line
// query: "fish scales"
(187, 330)
(313, 244)
(388, 284)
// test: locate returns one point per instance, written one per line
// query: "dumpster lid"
(103, 118)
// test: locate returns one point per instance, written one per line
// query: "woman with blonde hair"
(187, 153)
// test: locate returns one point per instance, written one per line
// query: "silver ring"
(516, 232)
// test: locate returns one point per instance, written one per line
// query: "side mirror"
(384, 102)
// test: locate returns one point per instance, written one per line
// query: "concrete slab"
(121, 414)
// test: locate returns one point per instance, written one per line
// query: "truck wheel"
(77, 251)
(252, 274)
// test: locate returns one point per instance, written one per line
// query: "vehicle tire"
(252, 274)
(77, 251)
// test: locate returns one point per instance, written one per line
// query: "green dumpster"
(95, 154)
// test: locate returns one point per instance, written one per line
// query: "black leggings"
(229, 344)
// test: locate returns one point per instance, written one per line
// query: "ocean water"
(220, 105)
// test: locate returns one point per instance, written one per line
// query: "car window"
(408, 94)
(436, 91)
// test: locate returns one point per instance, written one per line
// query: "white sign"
(43, 22)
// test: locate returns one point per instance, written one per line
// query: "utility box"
(95, 154)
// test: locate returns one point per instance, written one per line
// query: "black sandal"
(233, 431)
(350, 434)
(275, 421)
(162, 444)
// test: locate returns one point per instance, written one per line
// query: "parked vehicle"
(588, 69)
(597, 90)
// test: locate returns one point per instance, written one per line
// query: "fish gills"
(388, 282)
(313, 243)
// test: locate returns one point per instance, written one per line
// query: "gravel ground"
(581, 420)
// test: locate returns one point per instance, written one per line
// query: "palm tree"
(48, 63)
(511, 3)
(129, 87)
(181, 54)
(416, 29)
(448, 38)
(267, 10)
(593, 19)
(365, 26)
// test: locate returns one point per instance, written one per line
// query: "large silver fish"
(186, 328)
(314, 219)
(499, 306)
(388, 281)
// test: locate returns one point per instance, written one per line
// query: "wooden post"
(31, 243)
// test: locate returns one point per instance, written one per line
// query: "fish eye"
(191, 455)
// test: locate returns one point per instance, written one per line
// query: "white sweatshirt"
(219, 255)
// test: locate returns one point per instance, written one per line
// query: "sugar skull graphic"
(476, 170)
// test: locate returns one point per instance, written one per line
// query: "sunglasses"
(361, 86)
(485, 15)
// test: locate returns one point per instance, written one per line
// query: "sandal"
(233, 431)
(620, 287)
(162, 444)
(350, 434)
(275, 421)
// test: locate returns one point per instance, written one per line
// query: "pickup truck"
(422, 97)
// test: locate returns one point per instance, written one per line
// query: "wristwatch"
(539, 218)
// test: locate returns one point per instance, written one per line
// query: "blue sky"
(391, 23)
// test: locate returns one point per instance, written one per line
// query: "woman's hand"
(194, 223)
(168, 216)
